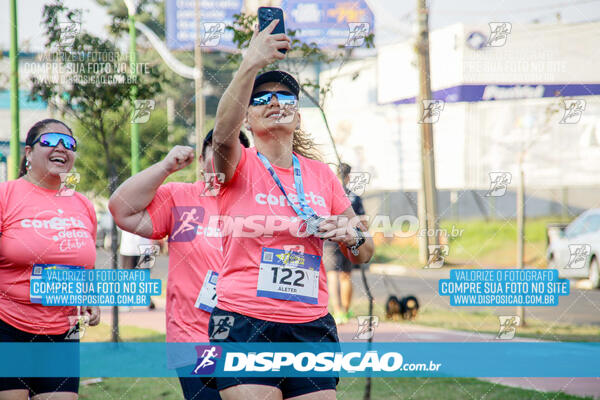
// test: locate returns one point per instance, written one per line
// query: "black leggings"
(9, 333)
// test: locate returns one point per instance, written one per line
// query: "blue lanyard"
(304, 212)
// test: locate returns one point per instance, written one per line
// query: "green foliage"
(300, 57)
(150, 12)
(476, 243)
(155, 143)
(93, 93)
(94, 97)
(218, 68)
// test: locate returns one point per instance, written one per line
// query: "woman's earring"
(28, 164)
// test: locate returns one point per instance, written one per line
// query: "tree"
(91, 87)
(149, 12)
(216, 65)
(155, 143)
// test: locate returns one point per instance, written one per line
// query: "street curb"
(444, 273)
(401, 270)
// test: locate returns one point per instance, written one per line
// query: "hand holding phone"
(266, 15)
(265, 47)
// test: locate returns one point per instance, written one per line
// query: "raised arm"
(129, 202)
(262, 51)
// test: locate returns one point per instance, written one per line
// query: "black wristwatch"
(360, 240)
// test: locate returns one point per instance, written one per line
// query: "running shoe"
(340, 318)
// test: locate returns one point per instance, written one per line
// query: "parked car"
(574, 251)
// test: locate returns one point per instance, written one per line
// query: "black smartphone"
(268, 14)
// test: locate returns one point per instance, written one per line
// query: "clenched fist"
(178, 158)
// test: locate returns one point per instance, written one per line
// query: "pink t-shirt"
(181, 212)
(262, 223)
(38, 227)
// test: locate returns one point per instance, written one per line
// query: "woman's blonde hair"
(304, 145)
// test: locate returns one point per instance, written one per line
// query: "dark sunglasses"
(264, 98)
(52, 139)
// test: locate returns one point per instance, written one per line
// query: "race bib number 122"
(207, 298)
(289, 275)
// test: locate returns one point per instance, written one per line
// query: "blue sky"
(394, 18)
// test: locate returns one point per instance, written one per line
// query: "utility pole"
(170, 120)
(428, 205)
(199, 95)
(135, 143)
(135, 129)
(422, 215)
(521, 228)
(15, 147)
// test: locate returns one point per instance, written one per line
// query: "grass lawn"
(475, 243)
(487, 322)
(102, 333)
(348, 389)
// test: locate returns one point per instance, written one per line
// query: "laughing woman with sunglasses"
(41, 227)
(272, 286)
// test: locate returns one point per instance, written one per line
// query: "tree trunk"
(114, 243)
(114, 234)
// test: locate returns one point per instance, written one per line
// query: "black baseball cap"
(279, 77)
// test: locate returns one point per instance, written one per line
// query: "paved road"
(580, 307)
(572, 309)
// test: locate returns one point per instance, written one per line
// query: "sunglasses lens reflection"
(264, 98)
(52, 140)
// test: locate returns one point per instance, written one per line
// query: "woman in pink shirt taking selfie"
(278, 203)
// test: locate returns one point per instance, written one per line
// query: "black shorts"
(246, 329)
(9, 333)
(334, 260)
